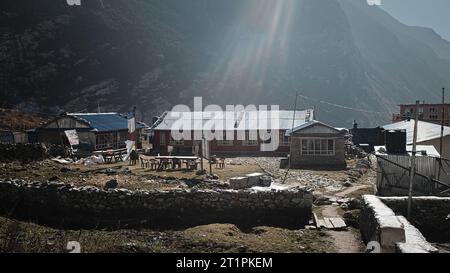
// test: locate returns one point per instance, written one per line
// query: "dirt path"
(348, 241)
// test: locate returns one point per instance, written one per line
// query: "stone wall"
(431, 215)
(379, 223)
(336, 161)
(394, 233)
(88, 207)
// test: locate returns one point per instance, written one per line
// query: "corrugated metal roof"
(104, 122)
(275, 120)
(425, 130)
(426, 150)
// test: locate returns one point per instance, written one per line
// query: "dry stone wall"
(62, 204)
(394, 233)
(431, 215)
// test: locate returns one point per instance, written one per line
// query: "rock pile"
(28, 152)
(22, 152)
(249, 181)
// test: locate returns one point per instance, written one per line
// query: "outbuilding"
(317, 145)
(96, 131)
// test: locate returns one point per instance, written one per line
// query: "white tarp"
(91, 160)
(130, 146)
(131, 125)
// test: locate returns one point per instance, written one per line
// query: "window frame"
(248, 141)
(162, 139)
(104, 141)
(308, 146)
(224, 141)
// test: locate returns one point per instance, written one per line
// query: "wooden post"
(412, 169)
(291, 138)
(442, 133)
(292, 129)
(442, 122)
(201, 154)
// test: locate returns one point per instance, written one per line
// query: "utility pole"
(412, 169)
(442, 122)
(293, 124)
(442, 132)
(202, 142)
(292, 132)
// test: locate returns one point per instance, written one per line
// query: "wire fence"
(432, 175)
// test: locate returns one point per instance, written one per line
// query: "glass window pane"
(304, 146)
(310, 145)
(323, 145)
(317, 146)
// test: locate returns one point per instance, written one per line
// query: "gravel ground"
(310, 180)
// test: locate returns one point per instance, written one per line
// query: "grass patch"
(22, 237)
(228, 238)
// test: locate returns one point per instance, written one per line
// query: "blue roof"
(104, 122)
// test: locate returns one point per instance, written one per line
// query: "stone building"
(317, 145)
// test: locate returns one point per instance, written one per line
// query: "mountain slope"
(156, 54)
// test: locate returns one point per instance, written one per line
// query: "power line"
(342, 106)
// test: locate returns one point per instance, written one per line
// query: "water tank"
(395, 141)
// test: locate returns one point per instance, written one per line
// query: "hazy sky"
(428, 13)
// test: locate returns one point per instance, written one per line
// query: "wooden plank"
(338, 223)
(316, 220)
(321, 223)
(328, 223)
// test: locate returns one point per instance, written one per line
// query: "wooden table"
(110, 154)
(167, 159)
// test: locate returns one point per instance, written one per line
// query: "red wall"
(237, 146)
(431, 113)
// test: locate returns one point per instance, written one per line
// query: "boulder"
(111, 184)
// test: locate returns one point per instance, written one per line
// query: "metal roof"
(309, 124)
(104, 122)
(425, 130)
(427, 150)
(227, 121)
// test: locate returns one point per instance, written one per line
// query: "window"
(284, 140)
(317, 147)
(104, 141)
(225, 141)
(162, 139)
(251, 138)
(122, 137)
